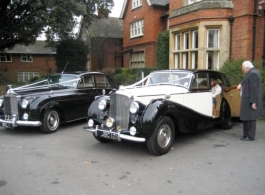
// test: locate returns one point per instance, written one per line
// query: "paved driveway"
(71, 161)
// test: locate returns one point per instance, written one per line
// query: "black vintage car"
(60, 98)
(164, 102)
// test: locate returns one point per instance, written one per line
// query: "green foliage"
(127, 76)
(21, 22)
(162, 50)
(4, 78)
(232, 68)
(73, 53)
(119, 79)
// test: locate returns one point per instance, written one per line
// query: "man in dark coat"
(251, 100)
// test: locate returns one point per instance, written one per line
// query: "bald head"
(246, 66)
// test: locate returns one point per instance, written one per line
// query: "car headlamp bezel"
(24, 103)
(102, 105)
(134, 107)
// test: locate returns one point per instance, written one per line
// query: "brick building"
(203, 33)
(104, 39)
(25, 62)
(142, 21)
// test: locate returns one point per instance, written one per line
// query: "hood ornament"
(103, 91)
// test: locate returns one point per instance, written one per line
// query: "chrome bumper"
(118, 134)
(15, 123)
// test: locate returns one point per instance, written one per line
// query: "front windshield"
(176, 78)
(63, 80)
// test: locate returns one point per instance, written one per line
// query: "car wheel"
(50, 121)
(226, 119)
(162, 138)
(102, 140)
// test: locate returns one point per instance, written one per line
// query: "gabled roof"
(39, 47)
(150, 3)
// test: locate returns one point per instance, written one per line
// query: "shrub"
(232, 68)
(162, 50)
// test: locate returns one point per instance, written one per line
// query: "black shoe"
(247, 139)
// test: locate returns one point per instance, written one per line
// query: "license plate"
(108, 135)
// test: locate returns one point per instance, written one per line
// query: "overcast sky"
(116, 11)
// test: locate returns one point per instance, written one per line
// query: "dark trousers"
(249, 129)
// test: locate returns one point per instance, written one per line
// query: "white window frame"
(216, 42)
(26, 58)
(136, 28)
(26, 76)
(177, 42)
(186, 49)
(185, 42)
(176, 60)
(194, 53)
(138, 59)
(213, 49)
(136, 3)
(5, 58)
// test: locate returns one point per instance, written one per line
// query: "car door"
(232, 95)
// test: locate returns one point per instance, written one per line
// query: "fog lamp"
(25, 116)
(90, 123)
(110, 122)
(132, 130)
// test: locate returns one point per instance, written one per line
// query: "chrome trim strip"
(21, 123)
(120, 136)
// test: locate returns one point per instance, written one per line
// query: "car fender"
(52, 104)
(152, 114)
(93, 110)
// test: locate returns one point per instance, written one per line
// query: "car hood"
(43, 90)
(145, 94)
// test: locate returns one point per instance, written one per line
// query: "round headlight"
(1, 102)
(110, 122)
(90, 123)
(134, 107)
(102, 104)
(24, 103)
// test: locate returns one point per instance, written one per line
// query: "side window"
(89, 81)
(200, 81)
(219, 78)
(102, 81)
(81, 83)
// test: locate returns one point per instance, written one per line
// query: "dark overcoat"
(251, 93)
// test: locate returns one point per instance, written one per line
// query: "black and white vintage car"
(153, 109)
(61, 98)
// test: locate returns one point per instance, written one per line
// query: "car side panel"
(184, 118)
(233, 98)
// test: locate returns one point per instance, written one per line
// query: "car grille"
(10, 105)
(119, 110)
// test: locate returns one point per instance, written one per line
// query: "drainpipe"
(254, 29)
(231, 20)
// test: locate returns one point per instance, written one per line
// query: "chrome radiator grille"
(10, 105)
(119, 110)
